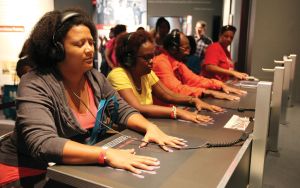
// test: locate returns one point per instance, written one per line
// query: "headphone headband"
(65, 17)
(129, 58)
(175, 39)
(175, 32)
(128, 37)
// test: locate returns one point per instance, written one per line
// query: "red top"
(179, 78)
(111, 45)
(217, 55)
(10, 174)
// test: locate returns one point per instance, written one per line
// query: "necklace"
(138, 89)
(79, 99)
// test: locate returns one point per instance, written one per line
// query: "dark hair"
(24, 49)
(172, 40)
(119, 28)
(227, 28)
(128, 45)
(41, 38)
(140, 28)
(160, 21)
(21, 64)
(193, 44)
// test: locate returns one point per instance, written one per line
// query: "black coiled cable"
(243, 137)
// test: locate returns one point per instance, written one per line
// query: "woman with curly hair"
(57, 103)
(136, 82)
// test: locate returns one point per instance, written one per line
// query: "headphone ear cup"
(175, 46)
(58, 52)
(129, 60)
(175, 40)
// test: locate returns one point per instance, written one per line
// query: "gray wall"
(236, 22)
(65, 4)
(200, 10)
(275, 33)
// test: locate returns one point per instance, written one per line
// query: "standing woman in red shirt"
(218, 63)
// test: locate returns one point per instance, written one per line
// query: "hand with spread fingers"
(227, 89)
(221, 95)
(192, 116)
(166, 142)
(199, 104)
(240, 75)
(126, 159)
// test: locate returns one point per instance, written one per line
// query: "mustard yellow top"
(121, 79)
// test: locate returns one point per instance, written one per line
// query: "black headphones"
(175, 39)
(129, 60)
(57, 53)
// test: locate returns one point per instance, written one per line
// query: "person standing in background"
(162, 29)
(110, 54)
(202, 40)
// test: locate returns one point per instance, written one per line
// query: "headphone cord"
(243, 137)
(106, 126)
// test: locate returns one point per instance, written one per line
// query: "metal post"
(286, 89)
(275, 109)
(260, 133)
(293, 57)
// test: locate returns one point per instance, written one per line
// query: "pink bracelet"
(102, 156)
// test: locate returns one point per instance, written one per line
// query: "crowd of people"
(148, 75)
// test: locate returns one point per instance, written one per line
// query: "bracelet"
(102, 156)
(173, 114)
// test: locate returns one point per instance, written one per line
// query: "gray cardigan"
(45, 122)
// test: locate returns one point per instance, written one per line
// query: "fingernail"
(170, 150)
(138, 175)
(149, 172)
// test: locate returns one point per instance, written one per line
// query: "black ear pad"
(129, 60)
(57, 53)
(175, 40)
